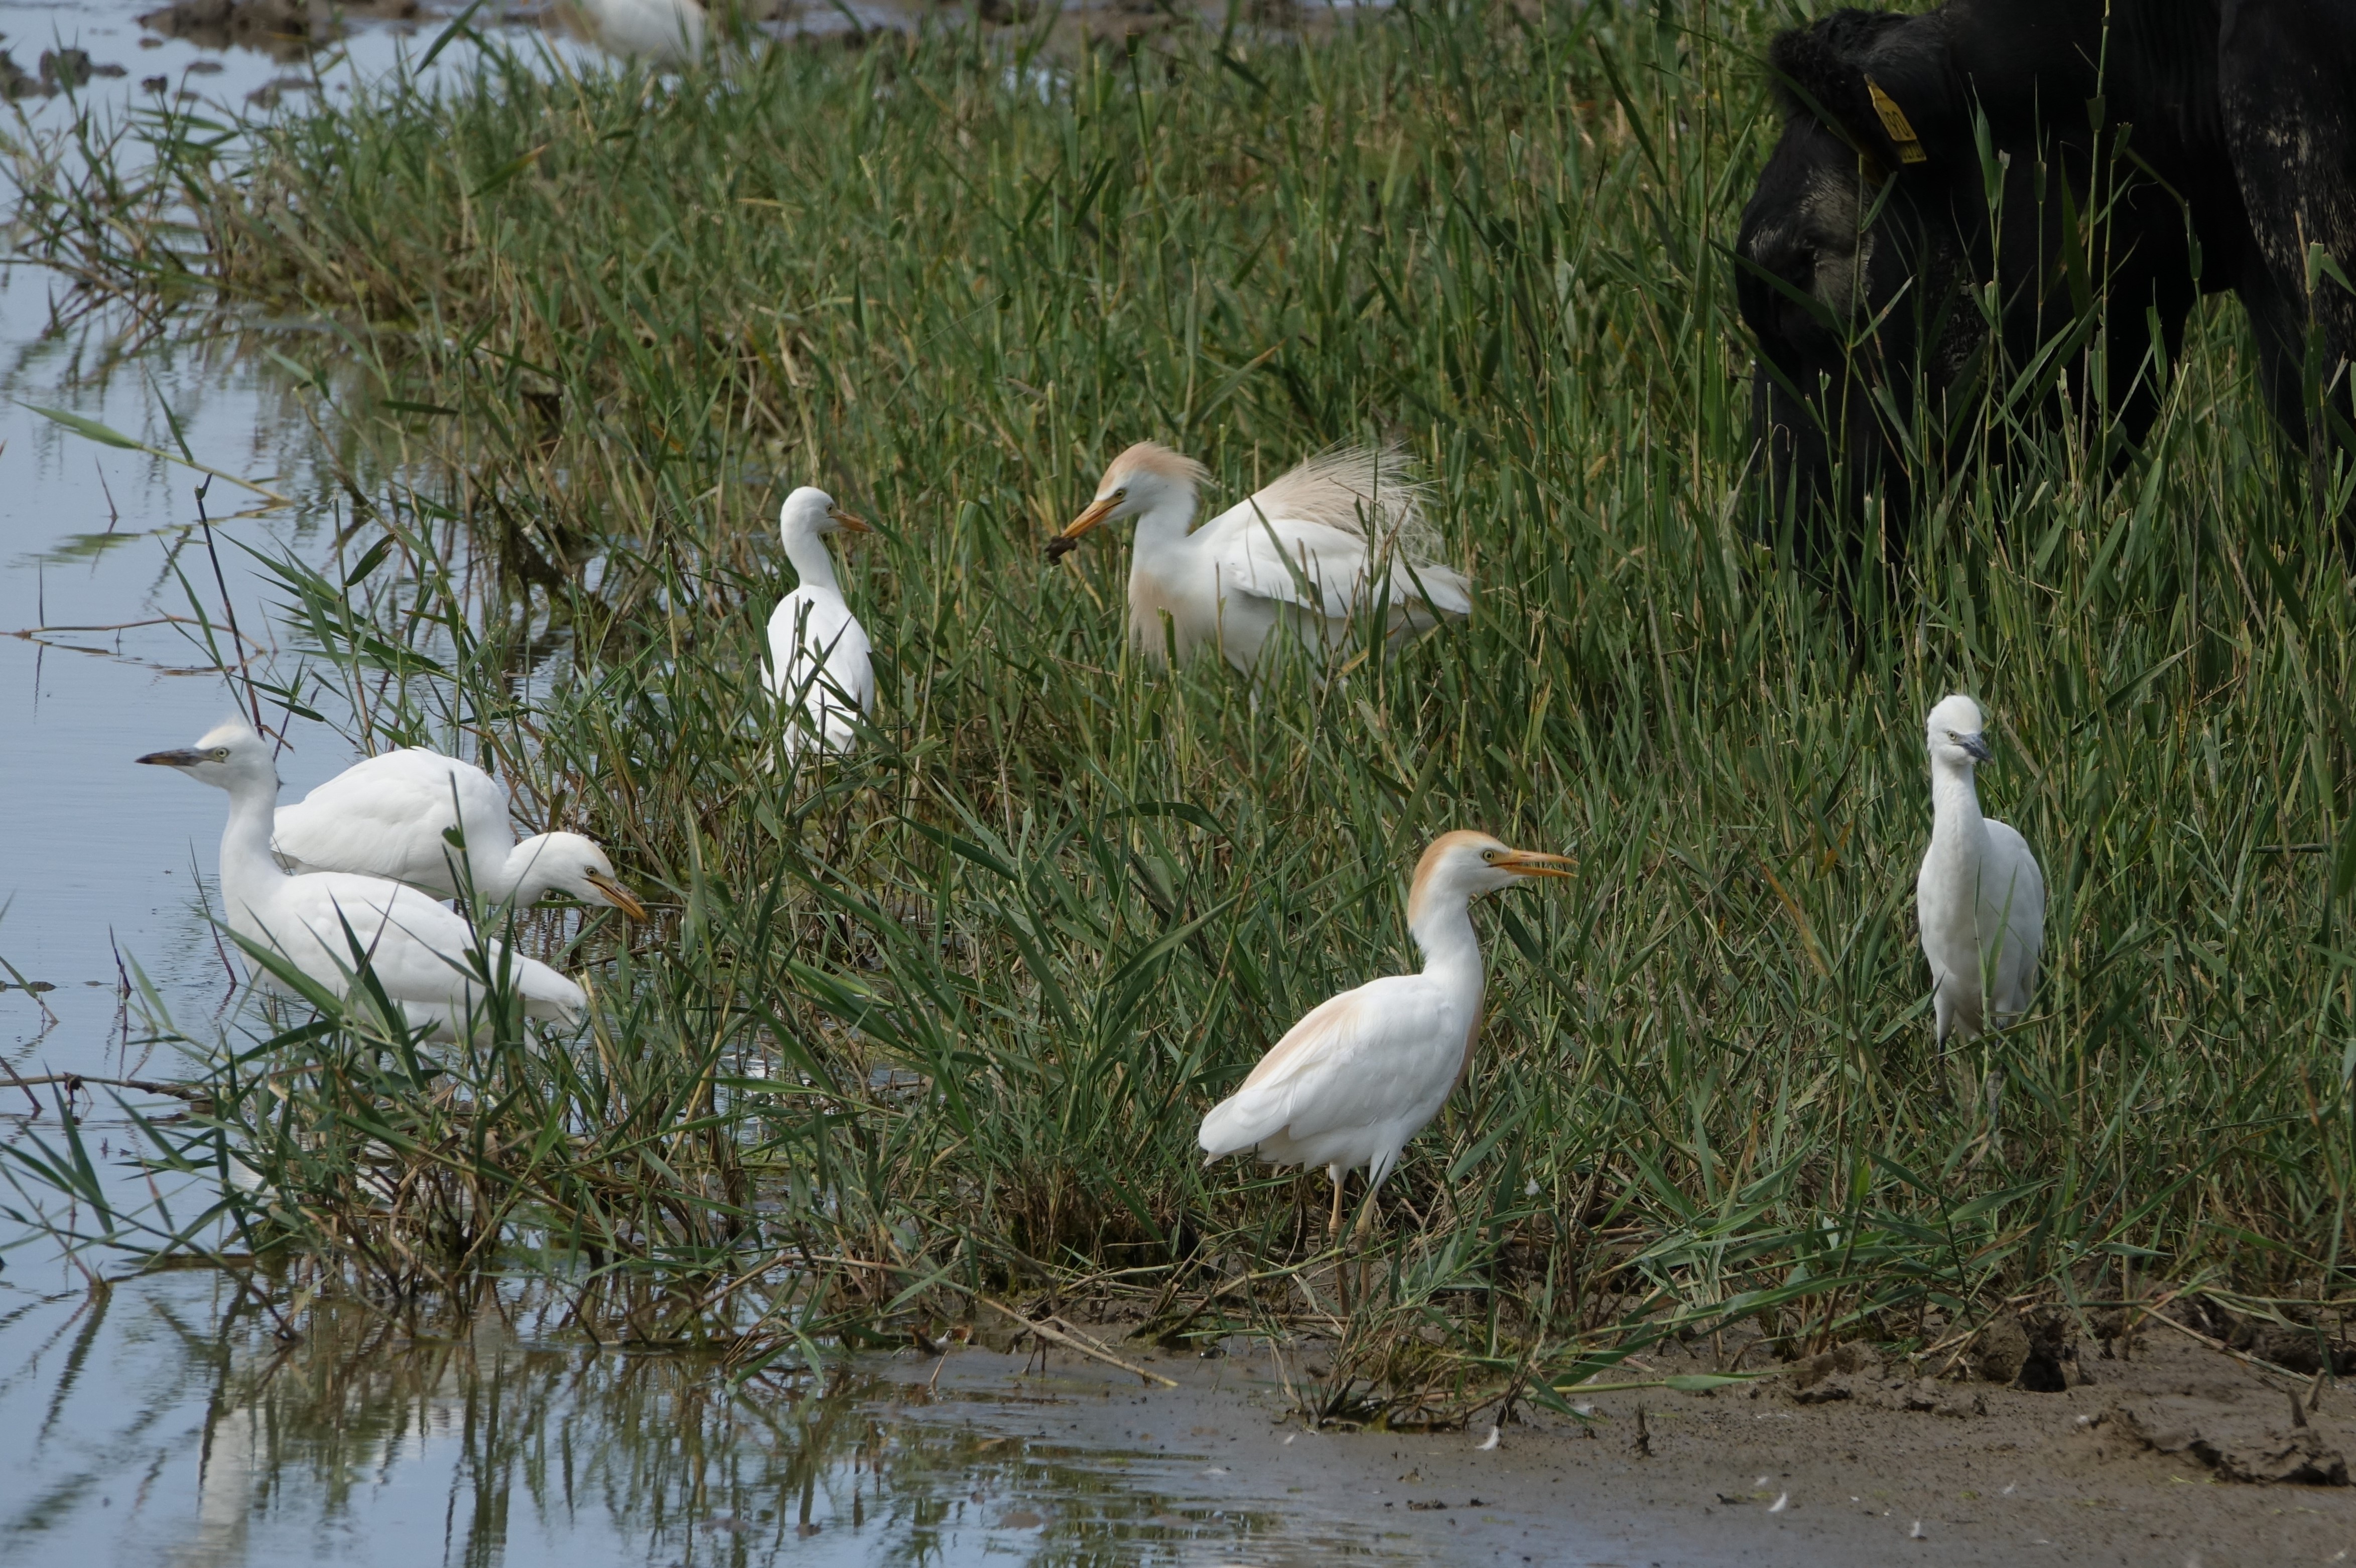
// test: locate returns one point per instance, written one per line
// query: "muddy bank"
(2171, 1453)
(287, 29)
(60, 70)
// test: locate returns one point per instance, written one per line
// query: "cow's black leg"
(2280, 326)
(2284, 83)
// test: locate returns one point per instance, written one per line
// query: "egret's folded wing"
(2011, 882)
(1443, 588)
(385, 817)
(1342, 1066)
(1318, 568)
(416, 946)
(818, 644)
(850, 664)
(1324, 569)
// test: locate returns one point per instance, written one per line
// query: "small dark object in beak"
(183, 758)
(1978, 746)
(1059, 546)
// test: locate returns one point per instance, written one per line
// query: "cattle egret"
(817, 652)
(1351, 1082)
(661, 32)
(416, 948)
(386, 818)
(1980, 897)
(1310, 551)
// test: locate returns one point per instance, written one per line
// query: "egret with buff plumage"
(1980, 898)
(1350, 1084)
(1310, 553)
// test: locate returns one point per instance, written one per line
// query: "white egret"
(1349, 1084)
(416, 947)
(668, 33)
(819, 654)
(387, 816)
(1309, 550)
(1980, 898)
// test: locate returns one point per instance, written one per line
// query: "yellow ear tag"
(1894, 120)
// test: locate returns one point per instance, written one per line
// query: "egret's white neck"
(806, 549)
(1162, 528)
(526, 875)
(249, 871)
(1955, 798)
(1442, 925)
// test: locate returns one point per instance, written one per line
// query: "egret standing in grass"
(388, 817)
(818, 655)
(1980, 898)
(416, 948)
(667, 33)
(1310, 551)
(1349, 1084)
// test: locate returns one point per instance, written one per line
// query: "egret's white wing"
(1317, 568)
(668, 32)
(415, 946)
(850, 664)
(1321, 568)
(1366, 1057)
(385, 817)
(2012, 891)
(820, 654)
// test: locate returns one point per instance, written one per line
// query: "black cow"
(2142, 152)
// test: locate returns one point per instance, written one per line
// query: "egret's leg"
(1333, 1229)
(1375, 1174)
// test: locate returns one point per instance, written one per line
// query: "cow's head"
(1855, 250)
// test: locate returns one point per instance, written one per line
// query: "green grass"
(582, 335)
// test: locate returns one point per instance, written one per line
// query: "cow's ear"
(1881, 81)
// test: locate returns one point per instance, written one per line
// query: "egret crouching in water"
(1310, 551)
(1352, 1083)
(388, 817)
(818, 651)
(1980, 898)
(416, 948)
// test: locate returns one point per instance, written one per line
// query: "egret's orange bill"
(848, 522)
(1099, 510)
(1536, 863)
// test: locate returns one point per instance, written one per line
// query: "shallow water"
(161, 1421)
(160, 1425)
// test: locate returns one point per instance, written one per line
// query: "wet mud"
(286, 29)
(2162, 1451)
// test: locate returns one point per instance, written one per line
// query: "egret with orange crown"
(1310, 551)
(1352, 1083)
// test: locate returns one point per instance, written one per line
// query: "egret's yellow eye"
(1121, 493)
(1488, 854)
(220, 754)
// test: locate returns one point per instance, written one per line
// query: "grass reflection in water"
(485, 1440)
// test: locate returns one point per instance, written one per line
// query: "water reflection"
(166, 1422)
